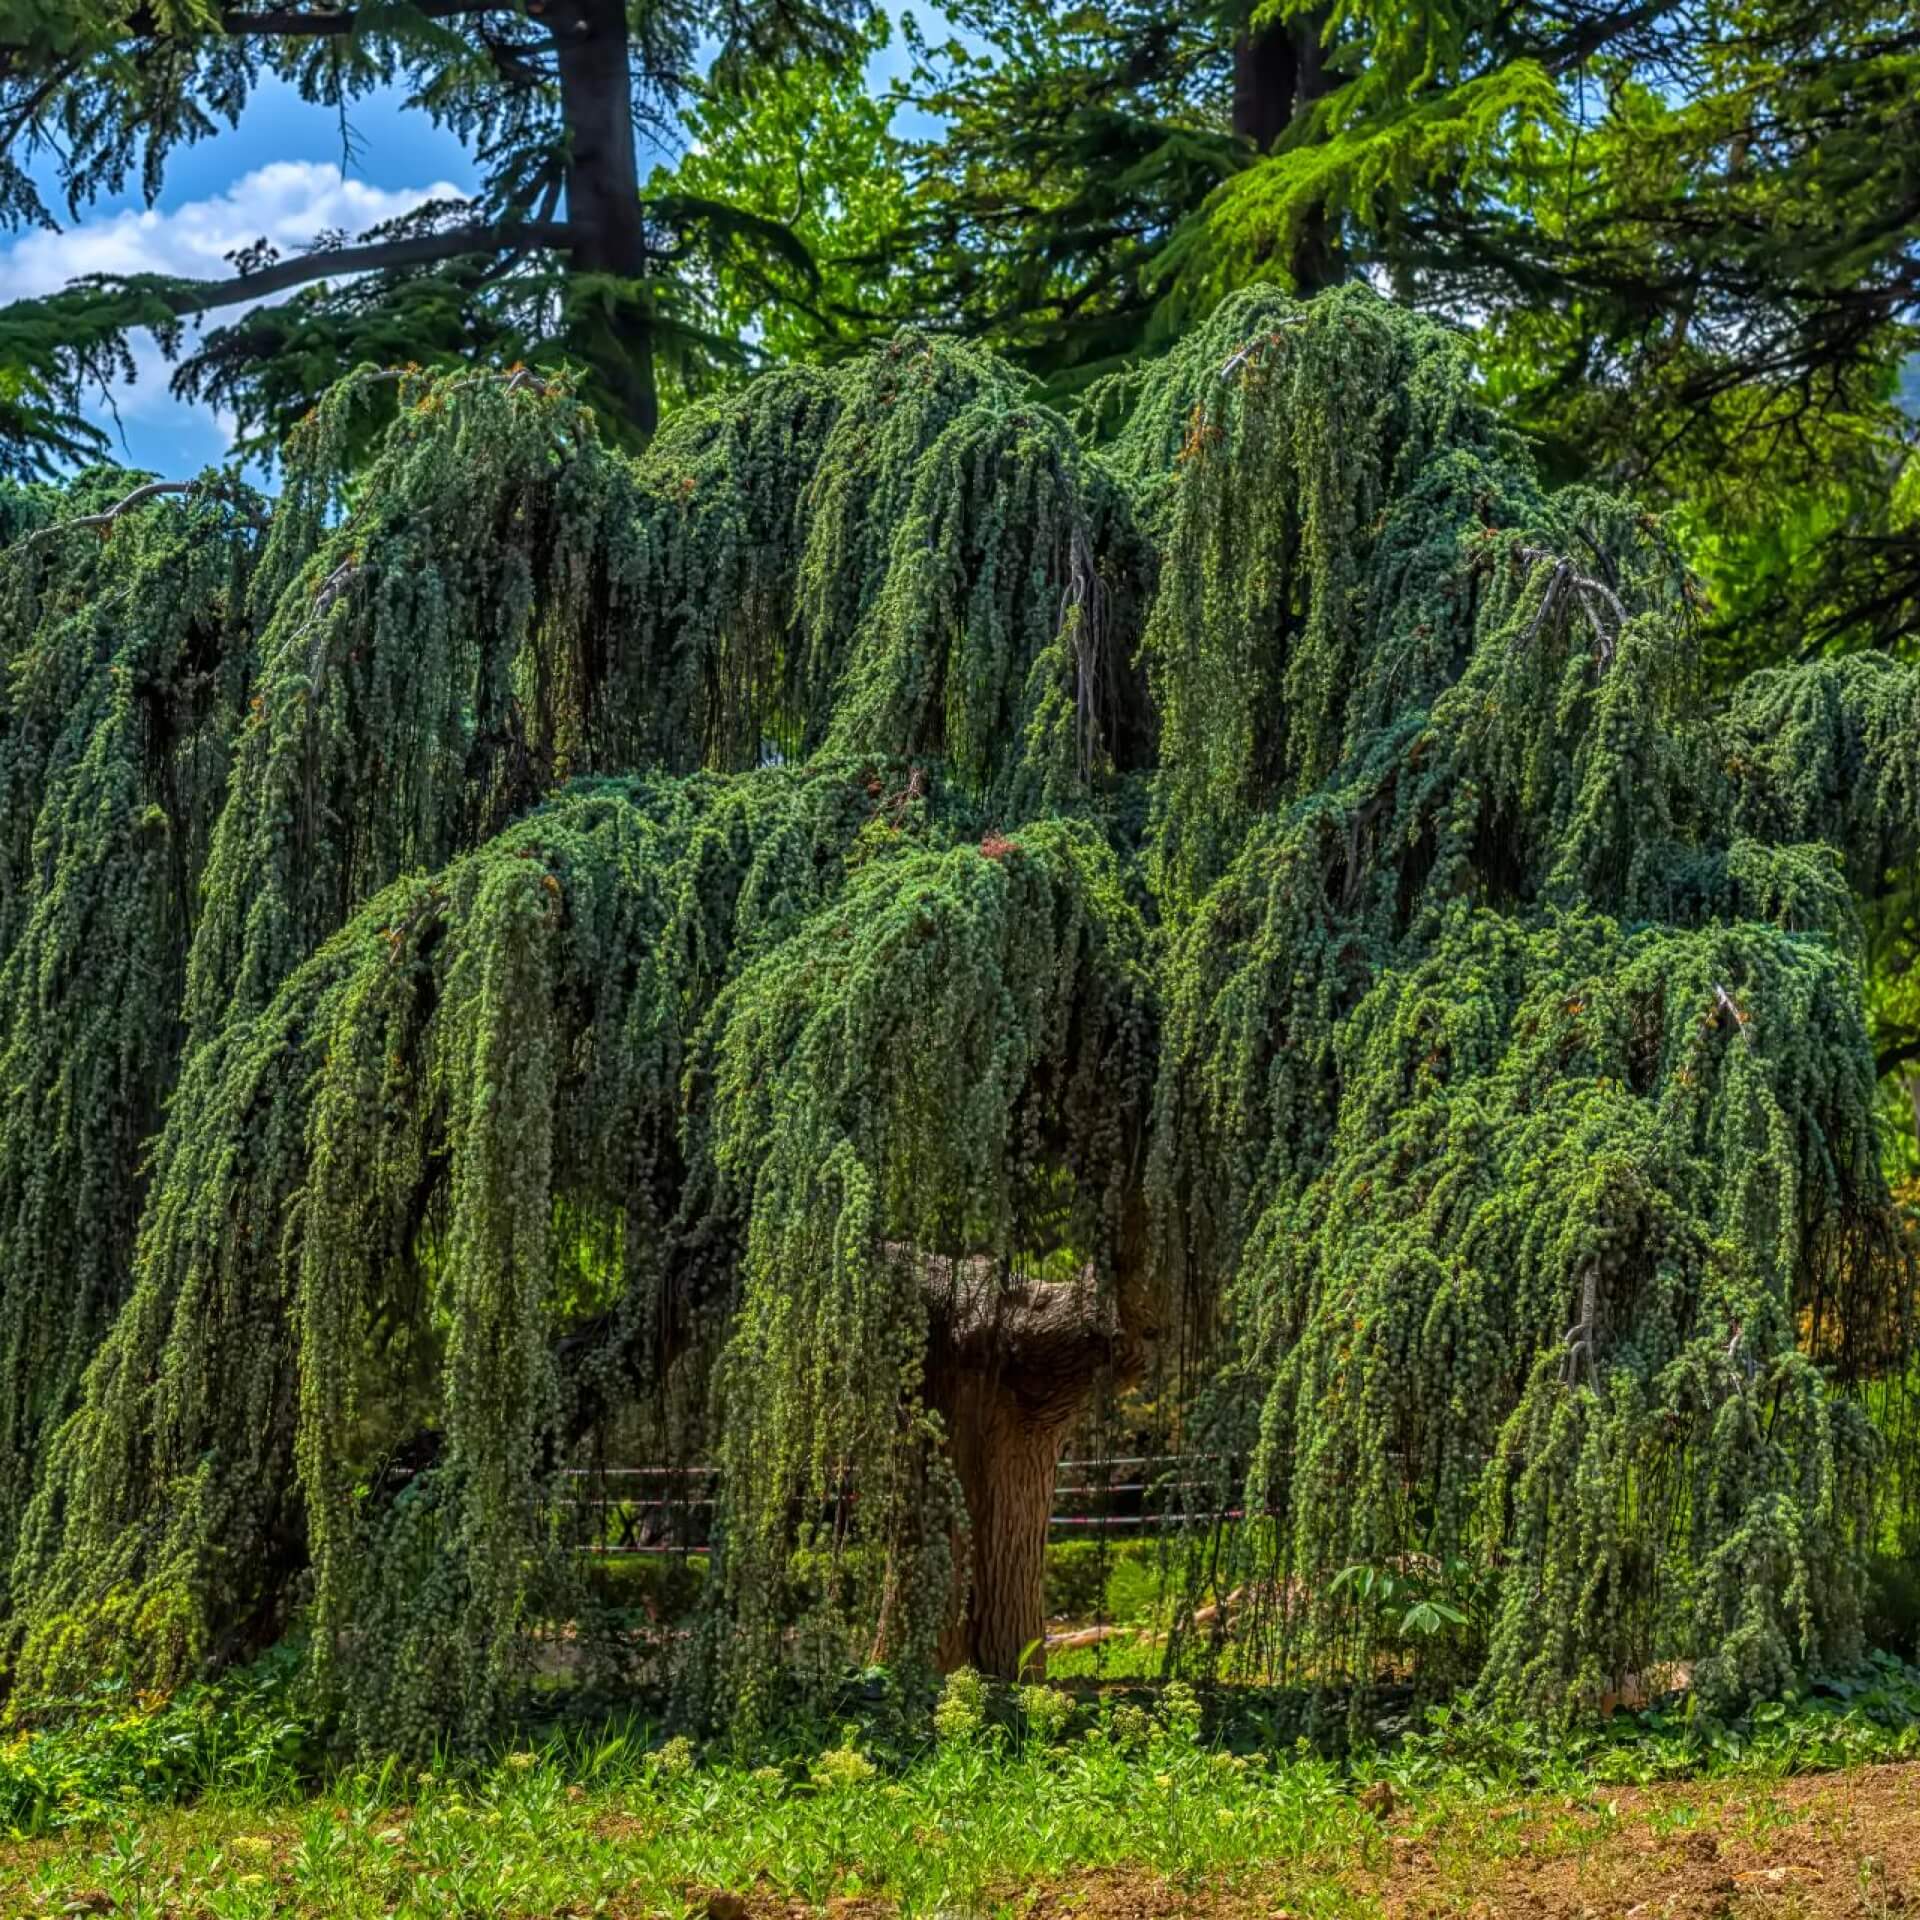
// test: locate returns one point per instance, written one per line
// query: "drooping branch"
(1597, 600)
(153, 490)
(186, 297)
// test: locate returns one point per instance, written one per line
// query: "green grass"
(1128, 1581)
(209, 1806)
(527, 1838)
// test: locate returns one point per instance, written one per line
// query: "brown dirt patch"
(1842, 1846)
(762, 1902)
(1806, 1849)
(1114, 1893)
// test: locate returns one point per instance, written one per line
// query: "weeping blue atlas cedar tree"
(825, 943)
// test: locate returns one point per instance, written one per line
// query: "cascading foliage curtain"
(538, 930)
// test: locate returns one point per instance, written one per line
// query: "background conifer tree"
(559, 256)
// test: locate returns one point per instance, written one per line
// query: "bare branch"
(1581, 1334)
(1896, 1054)
(1733, 1012)
(1595, 596)
(139, 497)
(332, 589)
(1272, 338)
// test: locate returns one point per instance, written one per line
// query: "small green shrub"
(1046, 1710)
(962, 1708)
(86, 1759)
(1126, 1581)
(841, 1767)
(658, 1586)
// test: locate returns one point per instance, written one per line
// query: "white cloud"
(288, 202)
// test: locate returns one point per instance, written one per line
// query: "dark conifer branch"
(299, 23)
(376, 256)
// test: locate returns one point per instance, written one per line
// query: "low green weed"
(212, 1804)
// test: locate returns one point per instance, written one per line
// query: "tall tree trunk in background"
(603, 195)
(1279, 71)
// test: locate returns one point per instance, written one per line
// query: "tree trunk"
(1279, 71)
(603, 198)
(1006, 1454)
(1266, 76)
(1011, 1364)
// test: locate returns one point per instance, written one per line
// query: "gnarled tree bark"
(1011, 1364)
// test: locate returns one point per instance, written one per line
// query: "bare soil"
(1825, 1845)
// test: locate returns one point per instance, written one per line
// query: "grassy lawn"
(1117, 1813)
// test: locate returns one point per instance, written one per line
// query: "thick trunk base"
(1012, 1363)
(1006, 1456)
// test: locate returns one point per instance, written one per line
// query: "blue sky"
(278, 175)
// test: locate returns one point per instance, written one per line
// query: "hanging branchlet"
(470, 632)
(124, 663)
(992, 622)
(406, 1139)
(948, 1059)
(1270, 457)
(1826, 753)
(1560, 1131)
(452, 651)
(1412, 757)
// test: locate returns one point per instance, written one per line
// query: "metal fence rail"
(669, 1509)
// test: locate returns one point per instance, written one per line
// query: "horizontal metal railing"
(676, 1518)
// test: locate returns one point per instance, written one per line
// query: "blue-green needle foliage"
(1516, 1086)
(625, 916)
(125, 661)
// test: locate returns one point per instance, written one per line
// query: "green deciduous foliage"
(811, 147)
(726, 939)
